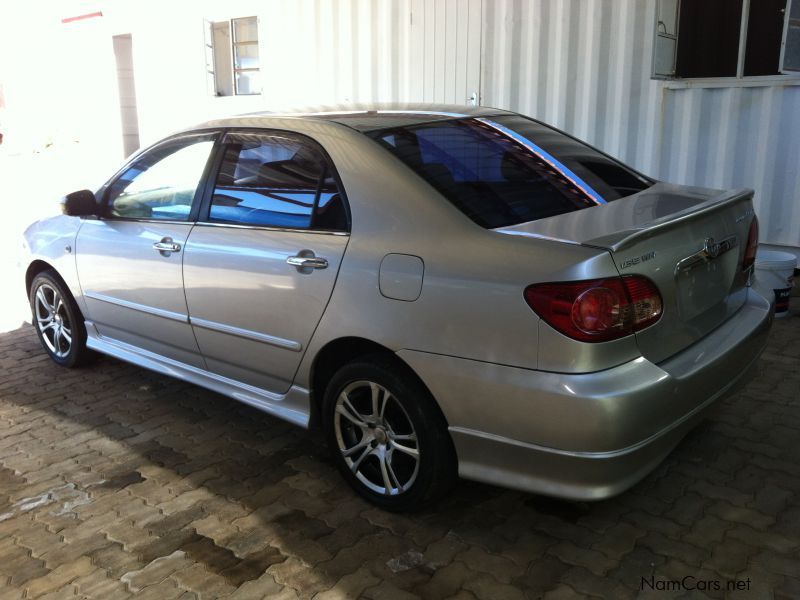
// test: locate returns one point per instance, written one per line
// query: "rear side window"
(505, 170)
(277, 180)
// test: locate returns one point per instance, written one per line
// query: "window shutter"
(666, 40)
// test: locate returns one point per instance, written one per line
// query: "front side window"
(277, 181)
(726, 38)
(162, 183)
(506, 170)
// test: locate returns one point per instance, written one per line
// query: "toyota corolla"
(443, 291)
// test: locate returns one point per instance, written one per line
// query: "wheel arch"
(341, 351)
(36, 267)
(40, 266)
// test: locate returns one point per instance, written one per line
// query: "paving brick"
(739, 514)
(618, 540)
(486, 587)
(596, 562)
(58, 577)
(388, 591)
(256, 589)
(730, 558)
(446, 581)
(501, 568)
(156, 571)
(765, 539)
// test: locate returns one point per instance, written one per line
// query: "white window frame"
(740, 80)
(228, 54)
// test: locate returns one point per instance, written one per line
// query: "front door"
(130, 260)
(260, 269)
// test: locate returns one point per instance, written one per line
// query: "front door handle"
(308, 262)
(166, 246)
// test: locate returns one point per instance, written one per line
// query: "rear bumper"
(588, 436)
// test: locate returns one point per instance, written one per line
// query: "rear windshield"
(505, 170)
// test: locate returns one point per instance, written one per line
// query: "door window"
(162, 183)
(277, 181)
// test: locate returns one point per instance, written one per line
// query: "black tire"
(420, 483)
(65, 316)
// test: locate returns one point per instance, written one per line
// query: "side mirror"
(79, 204)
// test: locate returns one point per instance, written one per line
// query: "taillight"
(752, 246)
(597, 310)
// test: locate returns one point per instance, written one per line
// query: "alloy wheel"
(52, 320)
(376, 438)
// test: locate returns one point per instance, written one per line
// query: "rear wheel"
(58, 321)
(389, 439)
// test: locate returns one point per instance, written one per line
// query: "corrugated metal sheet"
(584, 66)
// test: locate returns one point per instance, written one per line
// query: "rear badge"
(635, 260)
(711, 249)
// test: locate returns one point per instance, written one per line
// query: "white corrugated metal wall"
(584, 66)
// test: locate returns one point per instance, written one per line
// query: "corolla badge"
(712, 249)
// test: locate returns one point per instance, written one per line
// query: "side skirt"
(293, 406)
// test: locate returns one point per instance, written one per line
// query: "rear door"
(261, 263)
(130, 259)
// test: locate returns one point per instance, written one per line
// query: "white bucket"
(775, 274)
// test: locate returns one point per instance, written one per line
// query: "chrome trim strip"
(269, 228)
(144, 220)
(539, 236)
(150, 310)
(248, 334)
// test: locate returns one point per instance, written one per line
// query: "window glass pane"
(245, 30)
(331, 212)
(791, 56)
(245, 56)
(764, 37)
(665, 56)
(267, 180)
(248, 82)
(708, 32)
(162, 183)
(506, 170)
(791, 52)
(667, 17)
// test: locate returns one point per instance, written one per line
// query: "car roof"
(363, 117)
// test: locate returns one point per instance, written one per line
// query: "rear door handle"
(167, 246)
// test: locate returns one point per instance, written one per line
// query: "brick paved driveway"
(115, 480)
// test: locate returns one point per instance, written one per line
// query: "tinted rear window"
(505, 170)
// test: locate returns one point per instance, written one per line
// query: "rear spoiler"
(620, 240)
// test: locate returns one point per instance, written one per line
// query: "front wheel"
(58, 320)
(387, 436)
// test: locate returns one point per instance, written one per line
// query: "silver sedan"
(444, 291)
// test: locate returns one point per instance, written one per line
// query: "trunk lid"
(689, 241)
